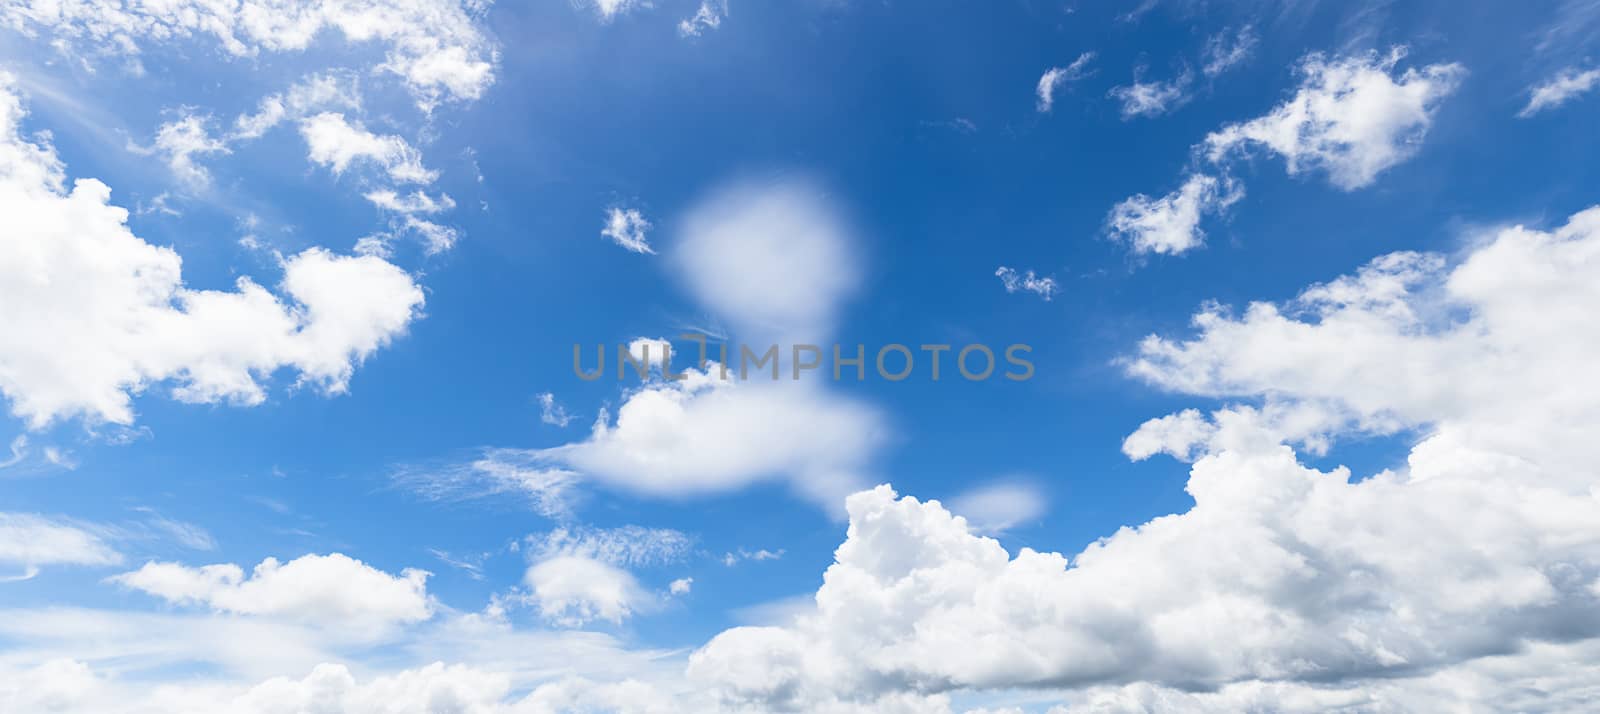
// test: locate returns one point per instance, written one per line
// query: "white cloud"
(30, 541)
(707, 435)
(1222, 53)
(1567, 85)
(625, 546)
(734, 558)
(315, 93)
(774, 258)
(573, 590)
(551, 412)
(180, 141)
(1171, 224)
(1421, 584)
(1351, 117)
(414, 202)
(329, 590)
(627, 228)
(97, 313)
(708, 17)
(1043, 287)
(681, 586)
(998, 507)
(497, 472)
(336, 143)
(435, 46)
(608, 10)
(1152, 99)
(1055, 78)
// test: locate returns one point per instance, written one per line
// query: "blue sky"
(415, 195)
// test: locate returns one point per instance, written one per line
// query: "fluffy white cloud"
(571, 590)
(314, 94)
(97, 313)
(336, 143)
(180, 141)
(435, 46)
(1152, 99)
(1029, 282)
(706, 435)
(1171, 224)
(627, 228)
(776, 259)
(332, 590)
(1567, 85)
(1352, 117)
(1055, 78)
(1283, 587)
(29, 541)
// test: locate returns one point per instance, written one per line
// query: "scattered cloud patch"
(1152, 99)
(1224, 52)
(708, 17)
(627, 228)
(1056, 78)
(1567, 85)
(1027, 281)
(551, 412)
(1170, 224)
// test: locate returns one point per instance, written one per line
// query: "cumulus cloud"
(572, 590)
(627, 228)
(97, 313)
(435, 46)
(1055, 78)
(1027, 282)
(1152, 99)
(1467, 565)
(706, 435)
(335, 142)
(1351, 118)
(777, 259)
(332, 590)
(1565, 86)
(179, 141)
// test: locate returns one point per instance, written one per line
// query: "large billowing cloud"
(94, 313)
(1284, 583)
